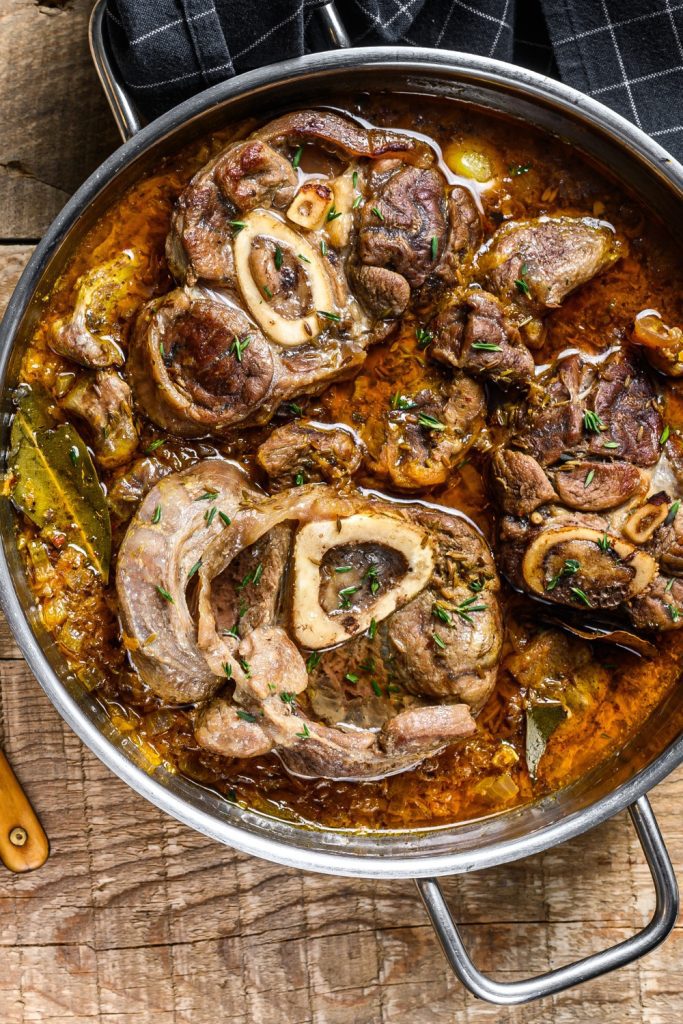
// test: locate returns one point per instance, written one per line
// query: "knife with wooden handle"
(23, 843)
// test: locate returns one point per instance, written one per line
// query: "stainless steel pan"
(622, 783)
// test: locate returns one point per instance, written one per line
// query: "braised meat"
(104, 401)
(473, 333)
(305, 452)
(585, 521)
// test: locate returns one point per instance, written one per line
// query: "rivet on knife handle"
(23, 844)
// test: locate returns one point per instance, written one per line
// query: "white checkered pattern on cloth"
(627, 53)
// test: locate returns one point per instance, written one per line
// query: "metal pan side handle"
(329, 34)
(525, 991)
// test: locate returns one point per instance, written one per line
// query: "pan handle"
(329, 34)
(514, 992)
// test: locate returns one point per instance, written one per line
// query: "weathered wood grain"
(135, 919)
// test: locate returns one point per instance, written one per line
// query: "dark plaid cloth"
(627, 53)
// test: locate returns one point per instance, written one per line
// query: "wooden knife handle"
(23, 844)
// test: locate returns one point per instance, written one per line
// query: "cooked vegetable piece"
(54, 481)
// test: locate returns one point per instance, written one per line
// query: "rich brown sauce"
(608, 690)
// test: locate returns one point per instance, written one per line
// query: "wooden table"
(137, 920)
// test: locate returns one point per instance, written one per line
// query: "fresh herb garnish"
(237, 225)
(343, 568)
(604, 543)
(267, 292)
(299, 479)
(577, 592)
(246, 668)
(423, 337)
(325, 313)
(486, 346)
(665, 434)
(434, 247)
(521, 283)
(304, 734)
(296, 159)
(669, 585)
(592, 422)
(246, 716)
(333, 213)
(294, 408)
(399, 401)
(238, 347)
(156, 516)
(74, 454)
(303, 258)
(313, 661)
(227, 669)
(476, 585)
(154, 445)
(673, 511)
(225, 519)
(610, 444)
(673, 612)
(590, 475)
(195, 569)
(162, 592)
(345, 595)
(323, 247)
(372, 629)
(438, 641)
(442, 613)
(377, 213)
(207, 496)
(466, 608)
(351, 677)
(278, 257)
(377, 690)
(430, 422)
(210, 515)
(356, 203)
(570, 567)
(371, 575)
(287, 698)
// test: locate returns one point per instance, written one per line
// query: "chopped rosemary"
(207, 496)
(672, 513)
(423, 337)
(267, 292)
(371, 575)
(237, 225)
(377, 213)
(577, 592)
(227, 669)
(345, 595)
(323, 247)
(592, 422)
(604, 543)
(156, 516)
(589, 478)
(278, 257)
(287, 698)
(377, 690)
(399, 401)
(304, 734)
(570, 567)
(74, 454)
(669, 585)
(313, 661)
(238, 347)
(343, 568)
(673, 612)
(438, 641)
(154, 445)
(333, 213)
(434, 247)
(246, 668)
(294, 408)
(299, 479)
(665, 434)
(442, 613)
(430, 422)
(476, 585)
(466, 608)
(521, 283)
(610, 444)
(486, 346)
(351, 677)
(162, 592)
(356, 203)
(252, 577)
(225, 519)
(246, 716)
(210, 515)
(195, 569)
(372, 629)
(303, 258)
(325, 313)
(296, 159)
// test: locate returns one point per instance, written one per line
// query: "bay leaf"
(541, 722)
(55, 483)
